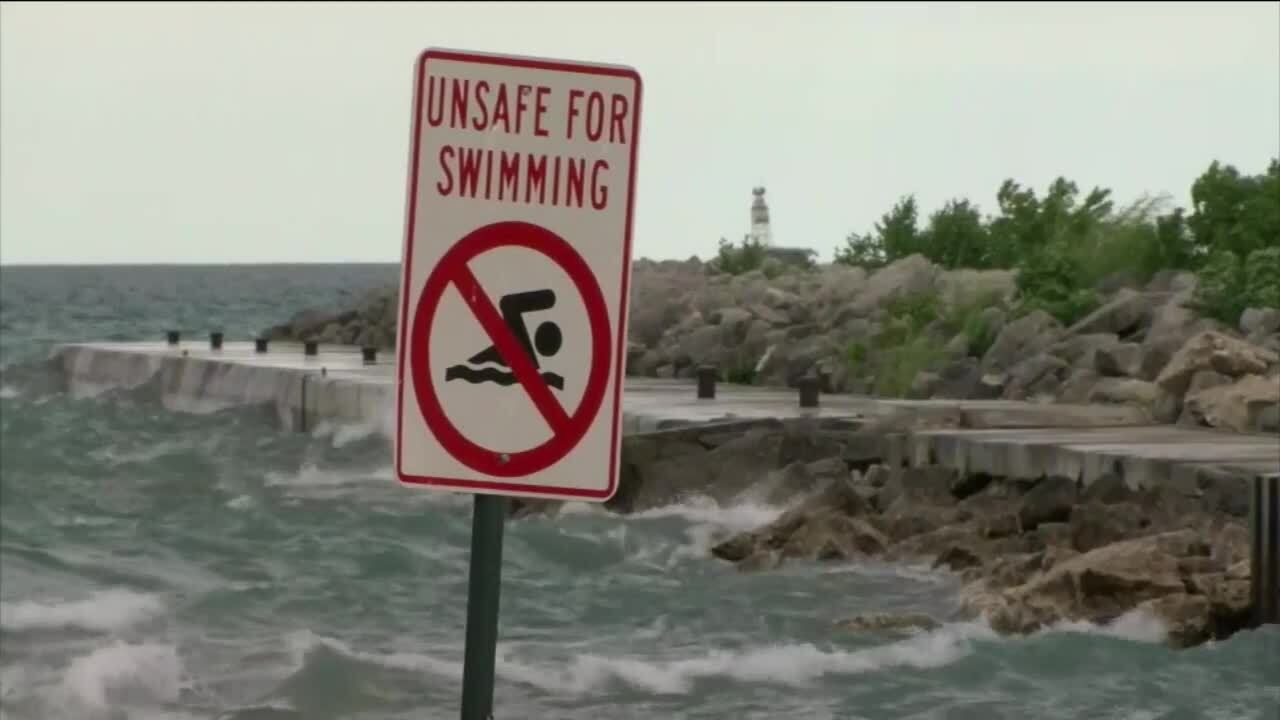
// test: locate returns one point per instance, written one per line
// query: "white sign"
(513, 294)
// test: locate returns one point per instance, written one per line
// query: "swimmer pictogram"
(546, 341)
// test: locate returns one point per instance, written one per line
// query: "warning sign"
(514, 275)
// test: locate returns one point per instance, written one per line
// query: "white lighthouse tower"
(760, 232)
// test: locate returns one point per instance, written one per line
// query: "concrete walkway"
(994, 437)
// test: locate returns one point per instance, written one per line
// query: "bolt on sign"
(517, 257)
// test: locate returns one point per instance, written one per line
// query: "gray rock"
(1107, 489)
(958, 346)
(1248, 405)
(1127, 313)
(1260, 321)
(907, 276)
(1030, 372)
(1077, 387)
(958, 380)
(1021, 338)
(924, 385)
(1124, 391)
(1080, 351)
(1051, 500)
(1119, 360)
(928, 485)
(1167, 407)
(1217, 352)
(1206, 379)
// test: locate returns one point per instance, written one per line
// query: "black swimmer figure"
(546, 341)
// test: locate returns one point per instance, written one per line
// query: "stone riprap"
(1145, 347)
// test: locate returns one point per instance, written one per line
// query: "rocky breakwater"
(1029, 553)
(913, 329)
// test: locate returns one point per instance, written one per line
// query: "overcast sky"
(278, 133)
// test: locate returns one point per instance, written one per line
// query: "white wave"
(1135, 625)
(793, 665)
(240, 502)
(310, 475)
(8, 392)
(738, 517)
(102, 611)
(143, 674)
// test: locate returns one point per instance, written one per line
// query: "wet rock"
(929, 485)
(957, 557)
(1096, 586)
(1050, 500)
(834, 536)
(907, 517)
(1094, 525)
(760, 561)
(888, 623)
(1106, 489)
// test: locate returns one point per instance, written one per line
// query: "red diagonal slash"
(510, 348)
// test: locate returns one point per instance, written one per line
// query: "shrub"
(1052, 279)
(902, 363)
(1219, 292)
(735, 260)
(1262, 278)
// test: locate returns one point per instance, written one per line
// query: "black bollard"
(808, 391)
(706, 382)
(215, 340)
(370, 355)
(173, 336)
(310, 347)
(260, 345)
(824, 381)
(1264, 553)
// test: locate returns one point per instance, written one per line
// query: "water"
(155, 565)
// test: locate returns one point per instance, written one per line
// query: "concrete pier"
(1013, 439)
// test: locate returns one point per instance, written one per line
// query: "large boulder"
(1260, 321)
(1097, 586)
(1214, 351)
(1080, 351)
(1127, 313)
(966, 286)
(1172, 324)
(907, 276)
(1021, 338)
(1247, 405)
(1124, 391)
(1119, 360)
(1037, 376)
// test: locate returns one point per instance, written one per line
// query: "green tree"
(956, 236)
(1235, 212)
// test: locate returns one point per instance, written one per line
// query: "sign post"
(513, 297)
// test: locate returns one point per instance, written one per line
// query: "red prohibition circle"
(453, 270)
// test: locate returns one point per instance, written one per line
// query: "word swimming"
(529, 178)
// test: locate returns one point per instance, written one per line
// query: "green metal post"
(484, 584)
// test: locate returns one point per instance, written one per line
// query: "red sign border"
(620, 358)
(510, 233)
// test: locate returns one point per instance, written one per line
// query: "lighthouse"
(760, 219)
